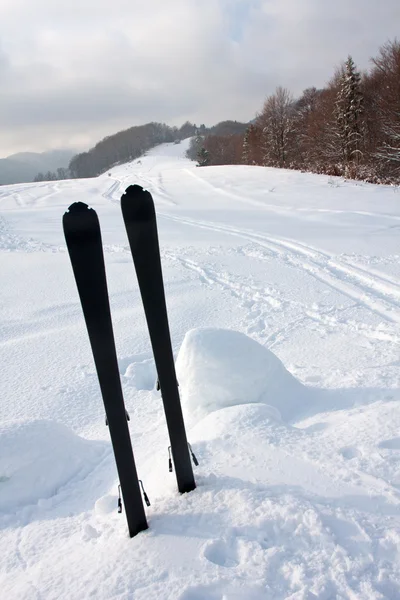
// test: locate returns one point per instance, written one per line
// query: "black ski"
(141, 226)
(83, 237)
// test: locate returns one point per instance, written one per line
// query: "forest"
(350, 128)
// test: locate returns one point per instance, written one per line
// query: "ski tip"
(137, 203)
(79, 216)
(78, 208)
(134, 190)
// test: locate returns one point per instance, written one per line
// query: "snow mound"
(217, 368)
(37, 458)
(223, 425)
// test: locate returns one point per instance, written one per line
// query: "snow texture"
(38, 458)
(283, 294)
(220, 368)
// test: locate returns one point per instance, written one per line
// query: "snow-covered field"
(298, 491)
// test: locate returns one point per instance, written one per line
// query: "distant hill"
(24, 166)
(118, 148)
(228, 128)
(128, 144)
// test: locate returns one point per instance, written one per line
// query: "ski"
(83, 238)
(141, 226)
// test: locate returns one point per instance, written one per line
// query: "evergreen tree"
(246, 147)
(349, 114)
(203, 157)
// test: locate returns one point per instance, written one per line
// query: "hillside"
(24, 166)
(283, 290)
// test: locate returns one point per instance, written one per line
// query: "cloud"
(73, 72)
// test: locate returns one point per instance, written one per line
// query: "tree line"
(60, 173)
(131, 143)
(125, 146)
(349, 128)
(120, 148)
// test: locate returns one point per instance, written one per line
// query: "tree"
(307, 128)
(386, 72)
(349, 114)
(252, 146)
(187, 130)
(228, 128)
(195, 145)
(277, 123)
(224, 149)
(62, 173)
(246, 147)
(203, 158)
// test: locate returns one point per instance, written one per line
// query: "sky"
(72, 72)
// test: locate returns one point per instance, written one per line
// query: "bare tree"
(277, 123)
(387, 72)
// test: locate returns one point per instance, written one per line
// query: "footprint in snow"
(257, 327)
(349, 452)
(89, 533)
(222, 553)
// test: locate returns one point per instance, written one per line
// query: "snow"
(31, 455)
(283, 292)
(218, 368)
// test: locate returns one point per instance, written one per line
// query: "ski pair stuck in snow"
(84, 243)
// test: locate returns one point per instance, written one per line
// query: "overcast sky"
(73, 71)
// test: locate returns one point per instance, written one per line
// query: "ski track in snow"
(282, 512)
(378, 293)
(252, 298)
(111, 193)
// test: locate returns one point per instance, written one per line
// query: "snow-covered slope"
(295, 419)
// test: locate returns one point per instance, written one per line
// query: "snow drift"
(217, 368)
(37, 458)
